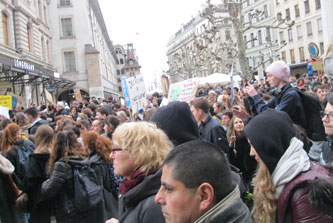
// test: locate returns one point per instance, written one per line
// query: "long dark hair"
(65, 145)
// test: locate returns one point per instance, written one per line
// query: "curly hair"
(147, 145)
(65, 145)
(101, 144)
(265, 202)
(44, 138)
(9, 136)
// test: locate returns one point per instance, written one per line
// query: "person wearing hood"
(99, 149)
(139, 149)
(288, 187)
(177, 121)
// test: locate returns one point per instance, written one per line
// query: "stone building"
(25, 51)
(82, 49)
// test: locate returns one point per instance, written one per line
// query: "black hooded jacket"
(177, 121)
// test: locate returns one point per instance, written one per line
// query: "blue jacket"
(288, 101)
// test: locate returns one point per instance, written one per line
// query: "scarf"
(136, 178)
(293, 162)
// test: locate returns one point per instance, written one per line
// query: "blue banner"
(125, 92)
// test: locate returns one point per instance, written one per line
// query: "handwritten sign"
(317, 65)
(6, 101)
(78, 95)
(4, 111)
(137, 92)
(125, 92)
(48, 97)
(183, 91)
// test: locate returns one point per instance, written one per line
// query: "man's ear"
(207, 196)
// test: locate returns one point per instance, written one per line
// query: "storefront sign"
(6, 101)
(23, 65)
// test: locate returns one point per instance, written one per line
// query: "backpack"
(87, 192)
(314, 126)
(23, 153)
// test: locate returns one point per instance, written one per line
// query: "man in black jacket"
(210, 130)
(34, 120)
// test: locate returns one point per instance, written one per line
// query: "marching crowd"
(246, 154)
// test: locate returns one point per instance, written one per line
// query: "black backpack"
(22, 160)
(87, 192)
(314, 126)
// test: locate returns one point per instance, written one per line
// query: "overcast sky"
(148, 24)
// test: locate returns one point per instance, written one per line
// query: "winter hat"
(6, 166)
(279, 69)
(270, 134)
(177, 121)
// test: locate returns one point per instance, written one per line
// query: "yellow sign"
(6, 101)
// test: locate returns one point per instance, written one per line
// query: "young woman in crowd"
(111, 123)
(60, 186)
(138, 153)
(37, 173)
(287, 186)
(227, 116)
(11, 143)
(99, 149)
(74, 113)
(241, 150)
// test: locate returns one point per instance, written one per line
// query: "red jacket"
(308, 197)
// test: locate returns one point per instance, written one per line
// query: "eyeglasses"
(329, 115)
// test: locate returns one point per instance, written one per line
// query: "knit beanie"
(177, 121)
(279, 69)
(270, 134)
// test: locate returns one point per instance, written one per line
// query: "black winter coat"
(60, 187)
(32, 130)
(138, 206)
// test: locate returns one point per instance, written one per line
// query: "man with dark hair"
(34, 120)
(210, 129)
(102, 112)
(196, 186)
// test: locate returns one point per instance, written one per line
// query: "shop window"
(69, 57)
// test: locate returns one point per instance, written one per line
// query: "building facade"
(25, 51)
(82, 49)
(305, 38)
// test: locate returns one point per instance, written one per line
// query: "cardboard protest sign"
(6, 101)
(184, 90)
(137, 92)
(78, 95)
(48, 97)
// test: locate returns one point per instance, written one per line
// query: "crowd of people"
(240, 154)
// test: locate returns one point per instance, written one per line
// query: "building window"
(318, 5)
(320, 26)
(321, 45)
(45, 15)
(268, 34)
(118, 79)
(67, 27)
(70, 65)
(259, 37)
(306, 6)
(299, 32)
(118, 72)
(48, 51)
(287, 14)
(297, 11)
(277, 2)
(290, 35)
(301, 54)
(121, 61)
(265, 11)
(309, 28)
(43, 48)
(122, 71)
(283, 55)
(29, 37)
(292, 55)
(252, 40)
(281, 37)
(5, 28)
(65, 2)
(245, 42)
(227, 35)
(40, 10)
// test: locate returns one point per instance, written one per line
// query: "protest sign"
(78, 95)
(137, 92)
(125, 92)
(184, 90)
(6, 101)
(4, 111)
(317, 65)
(48, 97)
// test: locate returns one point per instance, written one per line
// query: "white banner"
(183, 91)
(137, 92)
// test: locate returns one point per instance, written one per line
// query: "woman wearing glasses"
(138, 153)
(326, 156)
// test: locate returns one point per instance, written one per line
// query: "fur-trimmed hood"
(6, 166)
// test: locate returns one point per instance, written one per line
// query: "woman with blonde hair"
(139, 149)
(99, 149)
(37, 173)
(287, 186)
